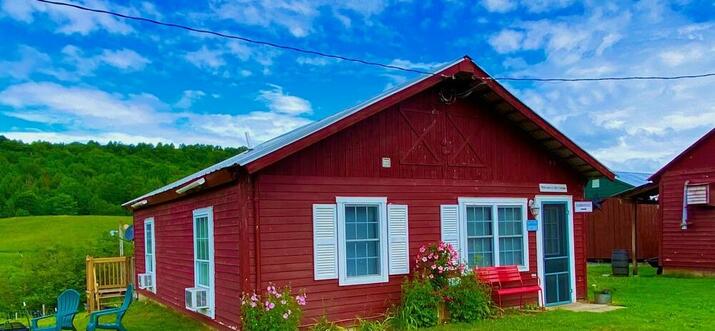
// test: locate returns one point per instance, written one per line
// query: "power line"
(361, 61)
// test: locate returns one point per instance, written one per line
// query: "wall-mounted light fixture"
(193, 184)
(534, 208)
(139, 204)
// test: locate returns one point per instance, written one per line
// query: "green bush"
(374, 325)
(468, 300)
(419, 305)
(272, 311)
(323, 324)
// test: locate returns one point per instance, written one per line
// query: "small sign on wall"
(546, 187)
(583, 206)
(532, 225)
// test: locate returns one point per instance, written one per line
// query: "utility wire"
(360, 61)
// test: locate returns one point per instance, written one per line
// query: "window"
(204, 254)
(149, 249)
(596, 183)
(495, 232)
(362, 240)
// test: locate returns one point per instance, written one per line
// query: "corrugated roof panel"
(633, 178)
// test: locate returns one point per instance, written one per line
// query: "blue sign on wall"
(532, 225)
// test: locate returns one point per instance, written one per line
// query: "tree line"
(42, 178)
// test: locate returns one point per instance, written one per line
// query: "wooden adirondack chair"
(67, 304)
(118, 312)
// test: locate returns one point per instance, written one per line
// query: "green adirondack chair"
(118, 312)
(67, 304)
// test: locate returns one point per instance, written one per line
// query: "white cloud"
(69, 20)
(507, 41)
(282, 103)
(90, 114)
(206, 58)
(188, 98)
(298, 16)
(499, 6)
(417, 65)
(632, 125)
(126, 59)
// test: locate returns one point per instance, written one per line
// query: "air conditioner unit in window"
(146, 281)
(197, 298)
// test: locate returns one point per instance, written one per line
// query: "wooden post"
(634, 237)
(90, 284)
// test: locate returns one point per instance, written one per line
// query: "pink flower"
(253, 304)
(300, 299)
(430, 256)
(254, 297)
(434, 266)
(422, 249)
(269, 305)
(424, 259)
(431, 276)
(440, 268)
(283, 302)
(285, 316)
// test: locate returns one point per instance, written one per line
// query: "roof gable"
(682, 156)
(282, 146)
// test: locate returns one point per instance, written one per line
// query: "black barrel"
(619, 262)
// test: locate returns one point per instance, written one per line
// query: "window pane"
(479, 236)
(362, 234)
(511, 235)
(480, 252)
(202, 276)
(149, 263)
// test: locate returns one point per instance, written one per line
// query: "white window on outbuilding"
(488, 231)
(150, 252)
(360, 240)
(204, 255)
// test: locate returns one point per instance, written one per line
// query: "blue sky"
(67, 75)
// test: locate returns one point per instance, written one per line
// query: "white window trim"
(464, 202)
(150, 220)
(343, 278)
(206, 212)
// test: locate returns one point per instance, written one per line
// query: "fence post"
(90, 284)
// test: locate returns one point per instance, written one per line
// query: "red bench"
(507, 280)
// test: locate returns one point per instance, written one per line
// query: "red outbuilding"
(687, 209)
(340, 206)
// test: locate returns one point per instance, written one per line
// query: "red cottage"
(687, 209)
(340, 207)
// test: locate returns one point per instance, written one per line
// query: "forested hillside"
(91, 179)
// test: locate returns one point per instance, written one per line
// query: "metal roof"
(278, 142)
(634, 179)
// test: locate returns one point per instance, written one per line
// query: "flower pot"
(603, 298)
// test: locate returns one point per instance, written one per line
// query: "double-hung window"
(493, 232)
(149, 252)
(362, 240)
(204, 254)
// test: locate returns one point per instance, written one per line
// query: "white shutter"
(325, 242)
(449, 215)
(399, 241)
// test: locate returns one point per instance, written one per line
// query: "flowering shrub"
(468, 300)
(274, 310)
(438, 263)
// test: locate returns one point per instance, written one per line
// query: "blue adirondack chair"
(118, 312)
(67, 304)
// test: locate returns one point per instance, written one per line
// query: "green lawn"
(653, 303)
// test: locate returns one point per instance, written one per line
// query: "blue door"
(557, 271)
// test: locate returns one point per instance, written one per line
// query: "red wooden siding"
(693, 248)
(609, 228)
(438, 153)
(173, 224)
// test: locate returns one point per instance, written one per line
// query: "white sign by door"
(561, 188)
(583, 206)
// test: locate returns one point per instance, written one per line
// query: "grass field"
(25, 234)
(653, 303)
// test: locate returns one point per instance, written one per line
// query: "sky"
(68, 75)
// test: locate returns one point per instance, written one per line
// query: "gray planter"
(603, 298)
